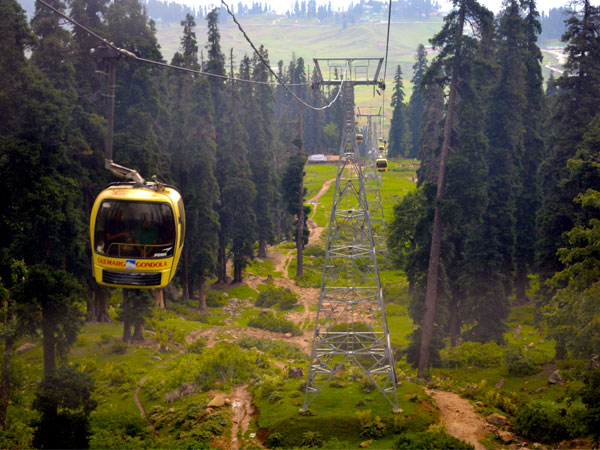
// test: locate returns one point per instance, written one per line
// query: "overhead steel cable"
(131, 55)
(260, 56)
(387, 45)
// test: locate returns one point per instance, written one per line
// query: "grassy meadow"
(189, 357)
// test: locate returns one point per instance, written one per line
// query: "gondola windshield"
(135, 229)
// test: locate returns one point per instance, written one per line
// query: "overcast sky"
(282, 6)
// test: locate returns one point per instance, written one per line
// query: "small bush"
(547, 422)
(215, 299)
(370, 428)
(314, 250)
(431, 439)
(312, 439)
(118, 348)
(518, 364)
(473, 354)
(226, 363)
(278, 349)
(197, 346)
(267, 321)
(276, 296)
(105, 339)
(274, 440)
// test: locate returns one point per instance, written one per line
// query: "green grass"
(242, 292)
(316, 176)
(262, 268)
(335, 412)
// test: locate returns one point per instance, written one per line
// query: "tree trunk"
(521, 283)
(411, 287)
(300, 235)
(185, 276)
(160, 299)
(90, 314)
(453, 322)
(101, 305)
(436, 238)
(48, 345)
(262, 249)
(237, 271)
(221, 263)
(192, 288)
(5, 377)
(126, 308)
(138, 325)
(202, 294)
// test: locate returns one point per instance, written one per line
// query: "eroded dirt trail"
(315, 230)
(241, 404)
(460, 418)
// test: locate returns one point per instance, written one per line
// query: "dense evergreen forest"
(507, 191)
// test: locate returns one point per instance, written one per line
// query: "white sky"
(282, 6)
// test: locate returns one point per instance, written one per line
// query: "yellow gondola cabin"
(359, 138)
(137, 234)
(381, 165)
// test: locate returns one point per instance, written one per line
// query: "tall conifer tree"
(416, 106)
(398, 139)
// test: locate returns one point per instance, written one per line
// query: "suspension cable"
(260, 56)
(131, 55)
(387, 45)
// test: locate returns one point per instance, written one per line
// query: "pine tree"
(452, 45)
(88, 116)
(49, 301)
(578, 101)
(527, 202)
(398, 138)
(416, 105)
(192, 150)
(259, 127)
(293, 194)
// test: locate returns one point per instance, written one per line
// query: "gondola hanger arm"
(123, 172)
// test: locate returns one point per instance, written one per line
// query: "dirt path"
(315, 230)
(138, 403)
(460, 418)
(233, 334)
(241, 404)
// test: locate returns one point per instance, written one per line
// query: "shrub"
(118, 347)
(473, 354)
(314, 250)
(267, 321)
(370, 428)
(276, 296)
(519, 364)
(197, 346)
(215, 299)
(312, 439)
(274, 440)
(430, 439)
(278, 349)
(224, 362)
(590, 396)
(105, 339)
(547, 422)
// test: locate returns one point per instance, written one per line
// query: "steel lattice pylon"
(351, 325)
(373, 181)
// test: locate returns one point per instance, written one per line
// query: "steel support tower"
(351, 325)
(373, 179)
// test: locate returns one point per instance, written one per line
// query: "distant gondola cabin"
(137, 235)
(359, 138)
(381, 165)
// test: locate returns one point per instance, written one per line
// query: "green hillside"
(310, 39)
